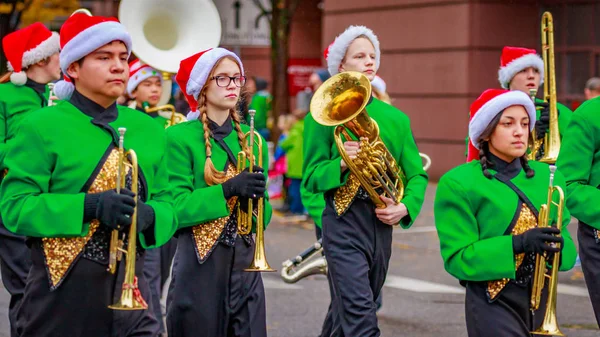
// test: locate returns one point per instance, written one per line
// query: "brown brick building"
(438, 55)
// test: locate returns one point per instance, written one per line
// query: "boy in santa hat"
(357, 236)
(145, 87)
(486, 214)
(32, 54)
(579, 162)
(62, 195)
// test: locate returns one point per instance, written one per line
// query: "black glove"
(145, 216)
(110, 208)
(246, 184)
(538, 240)
(542, 124)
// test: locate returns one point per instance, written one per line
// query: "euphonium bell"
(546, 149)
(131, 298)
(245, 217)
(549, 326)
(340, 101)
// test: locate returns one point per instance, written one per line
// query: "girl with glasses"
(210, 294)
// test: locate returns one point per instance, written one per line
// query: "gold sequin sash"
(61, 253)
(207, 234)
(345, 194)
(526, 221)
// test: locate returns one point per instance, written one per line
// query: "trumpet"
(341, 102)
(549, 326)
(546, 149)
(302, 266)
(173, 116)
(131, 299)
(245, 217)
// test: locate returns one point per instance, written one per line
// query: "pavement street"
(420, 298)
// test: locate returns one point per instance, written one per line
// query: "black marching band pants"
(216, 298)
(358, 248)
(589, 253)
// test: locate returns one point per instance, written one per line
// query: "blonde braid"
(212, 176)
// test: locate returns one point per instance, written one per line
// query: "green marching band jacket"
(564, 119)
(322, 171)
(43, 192)
(198, 205)
(476, 217)
(579, 155)
(15, 103)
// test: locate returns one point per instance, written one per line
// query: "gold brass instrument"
(167, 111)
(549, 326)
(341, 102)
(245, 217)
(546, 149)
(304, 265)
(131, 298)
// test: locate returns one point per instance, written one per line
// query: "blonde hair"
(212, 176)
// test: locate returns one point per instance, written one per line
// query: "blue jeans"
(296, 206)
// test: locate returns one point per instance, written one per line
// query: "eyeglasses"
(224, 81)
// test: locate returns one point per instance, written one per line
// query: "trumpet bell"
(163, 33)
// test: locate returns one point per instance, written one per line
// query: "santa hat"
(80, 35)
(193, 74)
(138, 73)
(334, 54)
(379, 84)
(28, 46)
(487, 107)
(515, 59)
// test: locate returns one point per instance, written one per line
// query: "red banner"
(299, 71)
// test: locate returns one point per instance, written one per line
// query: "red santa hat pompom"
(138, 73)
(335, 53)
(515, 59)
(28, 46)
(80, 35)
(489, 105)
(193, 74)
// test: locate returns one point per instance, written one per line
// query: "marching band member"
(486, 214)
(210, 292)
(62, 194)
(578, 161)
(32, 54)
(357, 237)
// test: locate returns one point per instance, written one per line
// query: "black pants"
(589, 252)
(216, 298)
(509, 315)
(79, 306)
(15, 261)
(358, 248)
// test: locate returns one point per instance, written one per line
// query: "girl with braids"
(486, 214)
(209, 291)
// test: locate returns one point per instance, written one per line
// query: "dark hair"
(484, 150)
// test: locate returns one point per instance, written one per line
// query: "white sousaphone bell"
(164, 32)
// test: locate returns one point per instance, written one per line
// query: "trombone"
(546, 150)
(131, 298)
(245, 217)
(174, 116)
(549, 326)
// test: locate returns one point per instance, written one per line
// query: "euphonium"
(302, 266)
(546, 149)
(245, 217)
(131, 299)
(341, 102)
(173, 116)
(549, 326)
